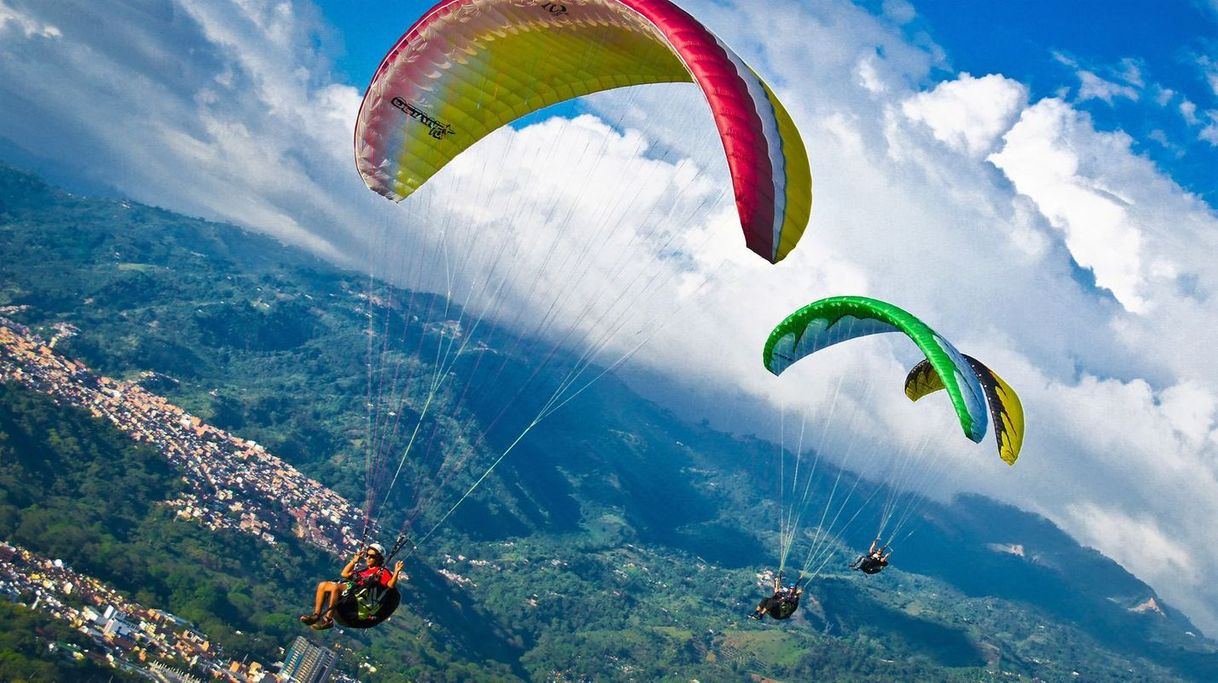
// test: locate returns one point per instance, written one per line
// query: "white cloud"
(1190, 409)
(1160, 136)
(1143, 547)
(900, 11)
(1127, 469)
(1099, 230)
(869, 78)
(1189, 111)
(1209, 69)
(1210, 132)
(1094, 87)
(1130, 71)
(197, 124)
(10, 17)
(968, 114)
(227, 110)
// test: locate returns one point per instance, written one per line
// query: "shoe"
(755, 616)
(324, 624)
(309, 619)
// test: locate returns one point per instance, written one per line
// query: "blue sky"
(368, 30)
(1044, 45)
(1042, 211)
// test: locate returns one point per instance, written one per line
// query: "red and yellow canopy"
(468, 67)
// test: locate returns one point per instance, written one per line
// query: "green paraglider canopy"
(968, 383)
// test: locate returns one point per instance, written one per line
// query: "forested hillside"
(616, 542)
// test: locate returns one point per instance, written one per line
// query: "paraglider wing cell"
(469, 67)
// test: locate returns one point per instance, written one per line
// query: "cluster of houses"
(125, 634)
(233, 483)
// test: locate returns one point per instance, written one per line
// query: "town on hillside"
(232, 483)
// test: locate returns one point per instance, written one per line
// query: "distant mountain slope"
(258, 338)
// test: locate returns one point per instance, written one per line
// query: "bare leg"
(327, 592)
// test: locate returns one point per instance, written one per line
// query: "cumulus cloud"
(1095, 218)
(964, 203)
(968, 114)
(1139, 232)
(1160, 136)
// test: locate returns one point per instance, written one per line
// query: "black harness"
(365, 601)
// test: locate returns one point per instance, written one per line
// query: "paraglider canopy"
(469, 67)
(968, 383)
(508, 279)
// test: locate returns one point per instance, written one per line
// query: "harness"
(364, 601)
(784, 604)
(872, 565)
(368, 593)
